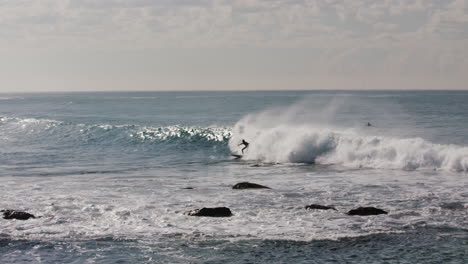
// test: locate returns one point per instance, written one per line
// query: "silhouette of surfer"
(369, 124)
(246, 144)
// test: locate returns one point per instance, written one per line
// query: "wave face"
(278, 136)
(189, 134)
(281, 135)
(39, 135)
(11, 124)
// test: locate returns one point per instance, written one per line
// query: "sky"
(142, 45)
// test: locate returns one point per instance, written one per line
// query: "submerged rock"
(211, 212)
(248, 185)
(366, 211)
(12, 214)
(319, 207)
(453, 206)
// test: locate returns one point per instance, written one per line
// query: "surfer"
(246, 144)
(369, 124)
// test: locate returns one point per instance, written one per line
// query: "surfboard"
(237, 156)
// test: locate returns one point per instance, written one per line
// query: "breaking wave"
(273, 138)
(276, 138)
(214, 134)
(57, 131)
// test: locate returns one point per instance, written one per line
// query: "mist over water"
(110, 176)
(302, 133)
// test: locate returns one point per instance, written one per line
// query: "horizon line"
(232, 90)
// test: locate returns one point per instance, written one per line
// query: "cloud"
(350, 37)
(207, 23)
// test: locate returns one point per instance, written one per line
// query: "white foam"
(278, 138)
(152, 207)
(163, 133)
(18, 127)
(25, 121)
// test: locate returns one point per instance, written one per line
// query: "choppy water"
(107, 173)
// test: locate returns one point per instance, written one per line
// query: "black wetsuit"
(246, 144)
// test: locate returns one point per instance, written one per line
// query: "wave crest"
(215, 134)
(57, 131)
(276, 140)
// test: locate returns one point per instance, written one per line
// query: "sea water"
(110, 176)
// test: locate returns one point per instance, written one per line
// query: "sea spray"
(291, 135)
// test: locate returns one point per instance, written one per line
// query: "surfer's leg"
(244, 149)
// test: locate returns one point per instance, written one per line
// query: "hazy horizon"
(207, 45)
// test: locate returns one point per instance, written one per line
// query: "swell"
(58, 132)
(275, 142)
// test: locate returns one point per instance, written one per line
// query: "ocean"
(110, 176)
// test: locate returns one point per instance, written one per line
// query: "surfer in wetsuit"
(246, 144)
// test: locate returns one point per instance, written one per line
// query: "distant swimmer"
(246, 144)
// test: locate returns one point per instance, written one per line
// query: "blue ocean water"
(108, 174)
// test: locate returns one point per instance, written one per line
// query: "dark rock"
(212, 212)
(12, 214)
(319, 207)
(248, 185)
(367, 211)
(453, 206)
